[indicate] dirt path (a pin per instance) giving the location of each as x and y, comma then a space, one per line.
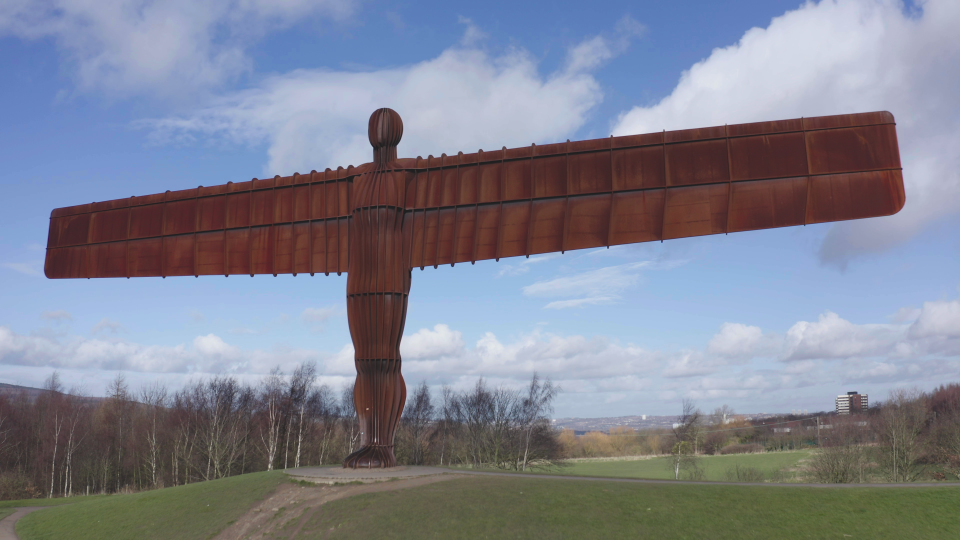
8, 524
284, 513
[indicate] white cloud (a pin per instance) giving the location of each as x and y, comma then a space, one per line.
462, 100
426, 343
743, 342
833, 337
833, 57
207, 354
159, 47
937, 319
690, 364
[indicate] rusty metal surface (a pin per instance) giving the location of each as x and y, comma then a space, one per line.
281, 225
657, 186
379, 220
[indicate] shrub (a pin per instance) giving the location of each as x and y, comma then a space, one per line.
15, 486
744, 474
741, 449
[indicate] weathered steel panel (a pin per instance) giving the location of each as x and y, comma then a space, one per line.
589, 221
700, 162
768, 156
765, 204
695, 211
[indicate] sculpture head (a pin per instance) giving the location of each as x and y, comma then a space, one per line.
385, 128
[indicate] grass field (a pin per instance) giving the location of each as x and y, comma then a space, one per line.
47, 502
521, 506
195, 511
715, 467
4, 512
529, 507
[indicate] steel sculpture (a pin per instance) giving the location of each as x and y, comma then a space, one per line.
379, 220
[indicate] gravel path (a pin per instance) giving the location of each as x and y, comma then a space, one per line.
8, 523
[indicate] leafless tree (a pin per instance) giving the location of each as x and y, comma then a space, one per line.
685, 432
325, 412
535, 405
417, 415
843, 453
899, 427
154, 397
271, 402
304, 376
447, 416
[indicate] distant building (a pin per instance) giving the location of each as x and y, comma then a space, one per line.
852, 402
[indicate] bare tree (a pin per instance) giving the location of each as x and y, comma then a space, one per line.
119, 398
447, 416
348, 417
304, 376
535, 405
685, 432
899, 426
271, 401
417, 415
325, 412
154, 398
842, 454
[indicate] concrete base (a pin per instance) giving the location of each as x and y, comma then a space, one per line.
339, 475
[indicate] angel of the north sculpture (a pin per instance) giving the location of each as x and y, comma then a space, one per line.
380, 220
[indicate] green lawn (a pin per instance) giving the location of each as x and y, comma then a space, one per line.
4, 512
196, 511
529, 507
48, 502
715, 467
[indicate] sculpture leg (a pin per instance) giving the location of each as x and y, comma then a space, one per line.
377, 289
378, 395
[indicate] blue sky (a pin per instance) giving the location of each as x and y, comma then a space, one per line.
107, 100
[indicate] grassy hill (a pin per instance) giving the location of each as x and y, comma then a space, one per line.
517, 507
195, 511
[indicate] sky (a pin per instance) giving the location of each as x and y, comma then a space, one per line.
104, 100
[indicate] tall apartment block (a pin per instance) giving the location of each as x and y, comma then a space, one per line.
852, 402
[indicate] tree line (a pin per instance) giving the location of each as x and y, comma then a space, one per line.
910, 436
60, 443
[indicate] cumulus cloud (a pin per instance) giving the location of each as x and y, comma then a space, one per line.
207, 354
159, 47
740, 362
736, 340
833, 57
833, 337
462, 100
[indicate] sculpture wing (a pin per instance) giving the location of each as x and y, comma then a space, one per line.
658, 186
281, 225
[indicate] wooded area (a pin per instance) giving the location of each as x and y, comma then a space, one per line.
57, 443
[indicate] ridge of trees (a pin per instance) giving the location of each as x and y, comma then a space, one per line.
59, 443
